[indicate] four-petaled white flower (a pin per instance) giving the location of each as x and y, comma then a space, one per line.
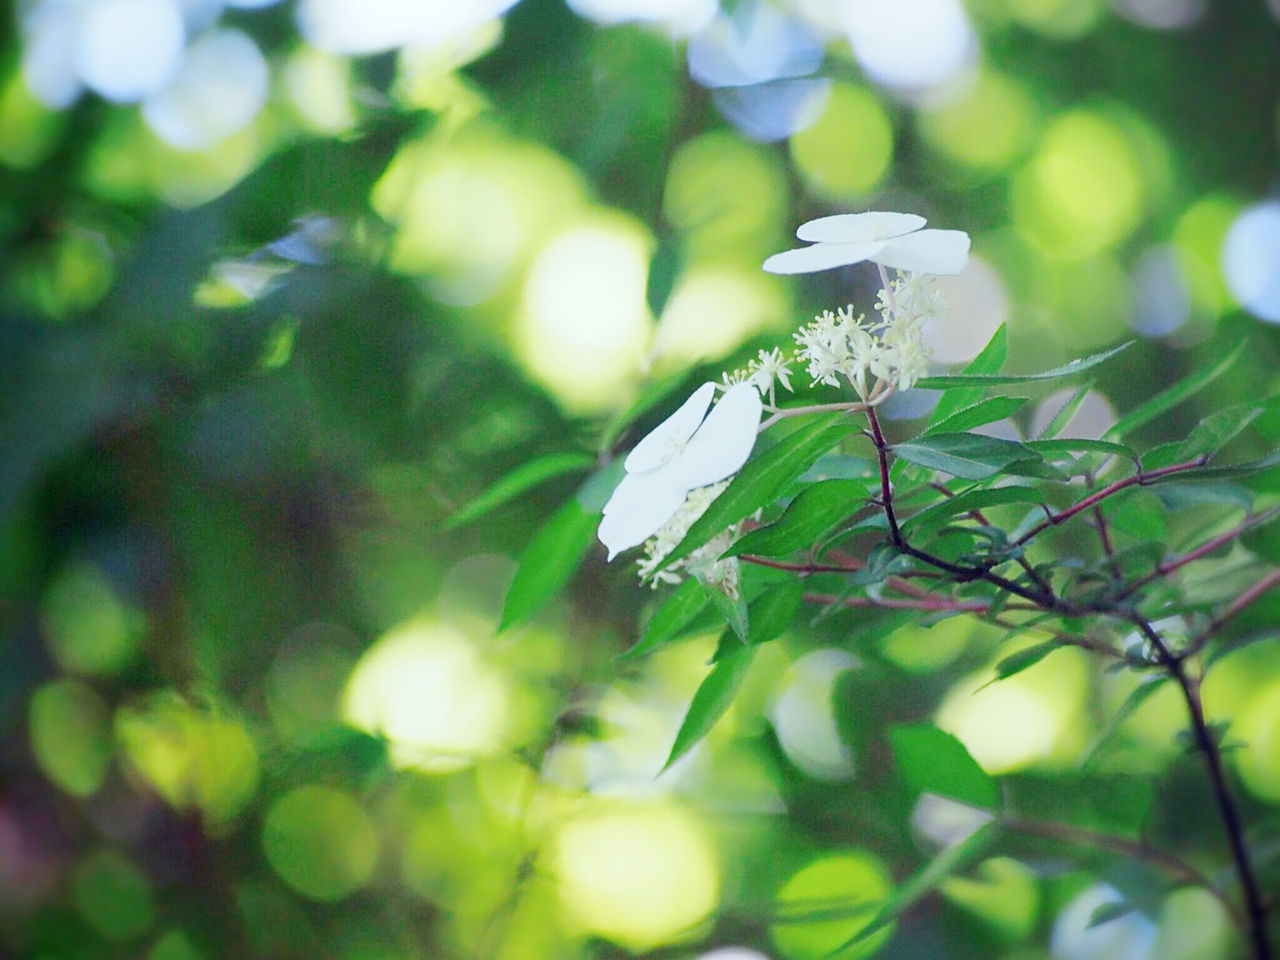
682, 453
893, 240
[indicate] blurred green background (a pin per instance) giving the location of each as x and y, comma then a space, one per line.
284, 284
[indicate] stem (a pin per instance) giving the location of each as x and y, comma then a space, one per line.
1204, 549
1255, 908
1178, 868
912, 603
1141, 478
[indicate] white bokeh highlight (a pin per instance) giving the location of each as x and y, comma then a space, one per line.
221, 86
1251, 260
126, 50
911, 45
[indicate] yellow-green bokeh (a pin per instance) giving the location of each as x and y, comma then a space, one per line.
826, 903
193, 756
1003, 892
988, 128
640, 875
320, 842
1084, 189
427, 688
845, 154
88, 627
1198, 237
70, 726
28, 129
727, 198
1033, 718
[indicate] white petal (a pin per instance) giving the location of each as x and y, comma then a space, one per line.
666, 439
941, 252
724, 441
859, 227
822, 256
639, 507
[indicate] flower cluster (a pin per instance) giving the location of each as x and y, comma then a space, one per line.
704, 563
675, 473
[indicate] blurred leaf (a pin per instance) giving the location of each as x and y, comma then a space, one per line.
970, 456
1065, 413
1017, 662
1181, 494
933, 761
1214, 432
763, 479
713, 697
818, 508
976, 414
1075, 445
549, 561
948, 861
989, 361
963, 503
996, 380
1169, 398
516, 482
1136, 698
684, 603
598, 488
1107, 912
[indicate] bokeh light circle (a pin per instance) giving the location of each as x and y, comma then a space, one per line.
910, 44
221, 86
638, 875
320, 842
852, 885
127, 50
1128, 937
846, 153
1251, 260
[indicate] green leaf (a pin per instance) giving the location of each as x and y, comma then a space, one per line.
976, 414
1137, 697
712, 699
1170, 397
684, 603
598, 488
1078, 445
948, 861
997, 380
762, 480
970, 456
550, 559
818, 508
1181, 494
933, 761
734, 612
516, 482
990, 360
772, 612
1216, 430
1027, 657
1065, 413
969, 500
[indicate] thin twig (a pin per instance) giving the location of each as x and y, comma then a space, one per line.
1206, 548
1141, 478
1196, 643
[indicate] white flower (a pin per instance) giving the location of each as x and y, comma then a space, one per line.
889, 239
683, 452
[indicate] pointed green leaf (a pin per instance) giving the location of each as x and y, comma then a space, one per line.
970, 456
996, 380
713, 697
763, 479
734, 612
976, 414
1137, 697
989, 361
1216, 430
684, 603
1080, 445
550, 559
516, 482
1170, 397
772, 611
1065, 412
818, 508
933, 761
1027, 657
969, 500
